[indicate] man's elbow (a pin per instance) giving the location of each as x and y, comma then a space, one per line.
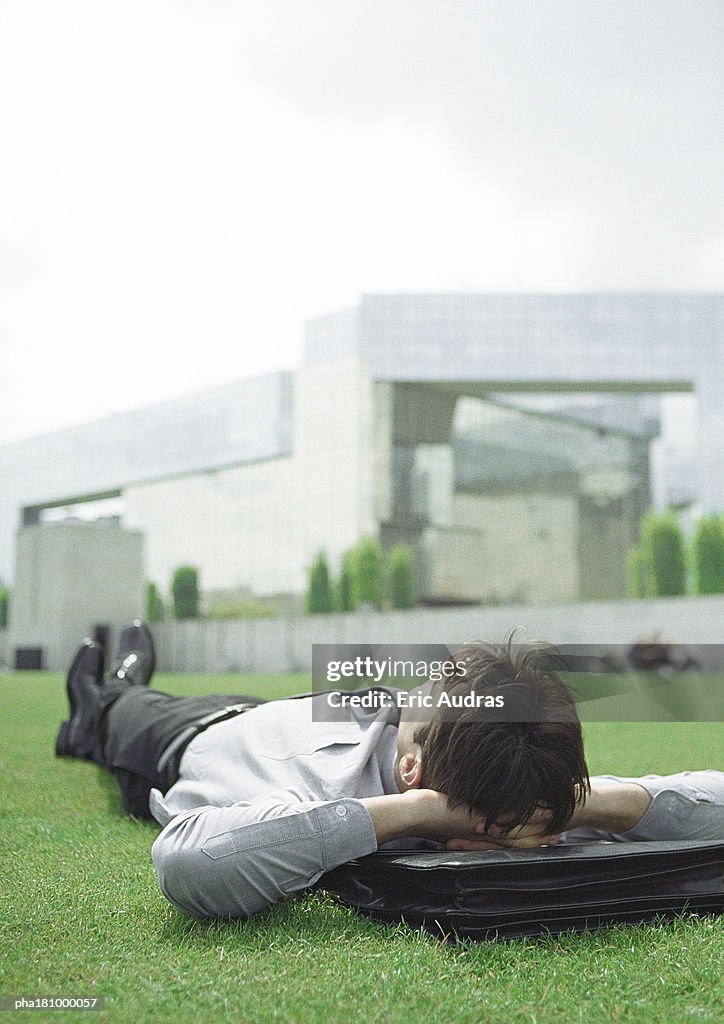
180, 873
207, 868
191, 880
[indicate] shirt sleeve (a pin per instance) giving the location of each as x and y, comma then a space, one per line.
234, 861
687, 805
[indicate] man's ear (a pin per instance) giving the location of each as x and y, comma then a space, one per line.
410, 767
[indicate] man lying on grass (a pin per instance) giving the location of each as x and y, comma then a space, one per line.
259, 799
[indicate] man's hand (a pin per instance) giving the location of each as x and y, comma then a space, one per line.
534, 833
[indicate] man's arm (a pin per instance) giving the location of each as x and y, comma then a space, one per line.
686, 805
423, 814
610, 807
234, 861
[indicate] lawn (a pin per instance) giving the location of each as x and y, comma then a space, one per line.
82, 914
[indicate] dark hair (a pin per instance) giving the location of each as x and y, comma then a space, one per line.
507, 769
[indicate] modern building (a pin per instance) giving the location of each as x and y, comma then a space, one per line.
507, 438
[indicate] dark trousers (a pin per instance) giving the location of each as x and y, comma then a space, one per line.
137, 725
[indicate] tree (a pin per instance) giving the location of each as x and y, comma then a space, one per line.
319, 591
368, 565
4, 606
402, 577
185, 592
154, 603
346, 585
664, 547
709, 555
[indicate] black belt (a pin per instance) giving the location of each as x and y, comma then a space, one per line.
170, 759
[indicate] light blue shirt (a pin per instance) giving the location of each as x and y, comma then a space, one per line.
267, 802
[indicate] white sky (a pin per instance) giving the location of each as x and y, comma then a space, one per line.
182, 184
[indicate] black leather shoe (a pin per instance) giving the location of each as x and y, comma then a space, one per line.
78, 736
136, 657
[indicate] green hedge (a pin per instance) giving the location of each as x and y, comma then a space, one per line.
368, 562
402, 577
154, 603
346, 590
663, 544
185, 592
319, 591
708, 555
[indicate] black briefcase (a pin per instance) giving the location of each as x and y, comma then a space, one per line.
508, 894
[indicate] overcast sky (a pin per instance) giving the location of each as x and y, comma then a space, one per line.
182, 184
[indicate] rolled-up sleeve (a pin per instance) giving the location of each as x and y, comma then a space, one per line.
687, 805
234, 861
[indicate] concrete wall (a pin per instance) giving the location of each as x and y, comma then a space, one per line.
283, 645
69, 579
234, 524
506, 548
333, 441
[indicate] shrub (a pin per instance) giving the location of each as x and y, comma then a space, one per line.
639, 572
402, 577
368, 572
664, 547
154, 603
346, 584
185, 592
709, 555
319, 591
4, 606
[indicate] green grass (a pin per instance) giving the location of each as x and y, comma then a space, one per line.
81, 913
